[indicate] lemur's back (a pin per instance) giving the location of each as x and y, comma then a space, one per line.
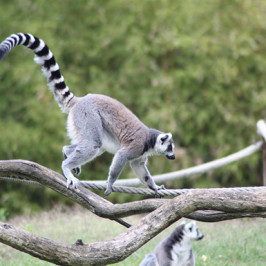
114, 116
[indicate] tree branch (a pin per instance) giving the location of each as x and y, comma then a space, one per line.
95, 203
204, 205
218, 216
126, 243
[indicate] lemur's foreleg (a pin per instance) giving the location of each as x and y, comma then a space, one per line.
140, 169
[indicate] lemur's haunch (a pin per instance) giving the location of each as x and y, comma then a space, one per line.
97, 123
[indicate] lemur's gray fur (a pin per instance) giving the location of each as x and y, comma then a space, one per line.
176, 249
97, 123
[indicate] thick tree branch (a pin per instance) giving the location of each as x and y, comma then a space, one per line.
122, 246
95, 203
55, 181
82, 196
205, 205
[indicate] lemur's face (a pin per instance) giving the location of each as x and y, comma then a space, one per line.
191, 230
165, 145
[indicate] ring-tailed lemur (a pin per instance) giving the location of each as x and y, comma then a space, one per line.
176, 249
97, 123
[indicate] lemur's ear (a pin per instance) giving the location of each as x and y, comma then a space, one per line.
190, 225
169, 135
183, 223
163, 138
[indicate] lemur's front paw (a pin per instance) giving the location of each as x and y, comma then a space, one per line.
108, 191
161, 187
73, 181
157, 188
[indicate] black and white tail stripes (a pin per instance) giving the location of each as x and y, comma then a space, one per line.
45, 58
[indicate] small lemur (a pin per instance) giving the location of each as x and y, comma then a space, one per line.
97, 123
176, 249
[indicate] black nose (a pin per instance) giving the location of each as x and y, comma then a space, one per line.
200, 237
171, 157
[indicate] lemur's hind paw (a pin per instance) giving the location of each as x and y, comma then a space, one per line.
77, 170
73, 181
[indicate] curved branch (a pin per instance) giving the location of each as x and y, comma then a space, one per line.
126, 243
92, 201
81, 195
194, 204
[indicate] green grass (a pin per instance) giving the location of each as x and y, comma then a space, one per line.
238, 242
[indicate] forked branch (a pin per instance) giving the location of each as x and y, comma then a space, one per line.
203, 204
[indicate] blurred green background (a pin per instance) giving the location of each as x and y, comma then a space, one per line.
195, 68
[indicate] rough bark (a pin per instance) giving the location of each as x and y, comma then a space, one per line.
91, 201
205, 205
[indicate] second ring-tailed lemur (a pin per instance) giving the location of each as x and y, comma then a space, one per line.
97, 123
175, 249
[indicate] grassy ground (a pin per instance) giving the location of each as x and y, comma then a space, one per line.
238, 242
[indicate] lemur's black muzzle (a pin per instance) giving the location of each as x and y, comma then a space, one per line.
200, 237
170, 157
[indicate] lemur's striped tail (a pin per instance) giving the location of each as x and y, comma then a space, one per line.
45, 58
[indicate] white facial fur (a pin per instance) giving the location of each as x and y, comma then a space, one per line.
164, 145
192, 232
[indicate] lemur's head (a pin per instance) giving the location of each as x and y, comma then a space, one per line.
192, 232
165, 145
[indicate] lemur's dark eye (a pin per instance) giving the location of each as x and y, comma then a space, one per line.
190, 229
169, 148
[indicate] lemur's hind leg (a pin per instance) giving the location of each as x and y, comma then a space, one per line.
82, 154
67, 150
140, 169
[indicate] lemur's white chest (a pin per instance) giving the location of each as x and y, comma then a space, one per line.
180, 254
